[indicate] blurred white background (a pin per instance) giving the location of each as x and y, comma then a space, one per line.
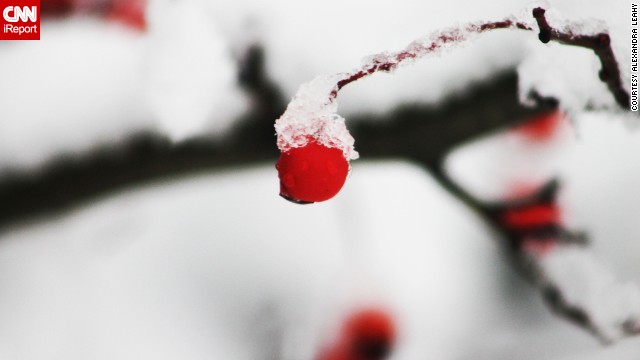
217, 266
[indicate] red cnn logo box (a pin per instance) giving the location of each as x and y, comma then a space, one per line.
19, 19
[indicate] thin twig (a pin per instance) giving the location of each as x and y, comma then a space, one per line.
421, 48
600, 44
531, 268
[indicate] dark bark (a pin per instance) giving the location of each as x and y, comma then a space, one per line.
419, 133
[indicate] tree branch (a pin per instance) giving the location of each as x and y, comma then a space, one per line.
420, 133
601, 46
526, 248
599, 43
424, 134
423, 47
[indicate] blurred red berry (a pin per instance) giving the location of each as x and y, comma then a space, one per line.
130, 13
371, 334
366, 335
311, 173
531, 216
54, 8
533, 222
542, 127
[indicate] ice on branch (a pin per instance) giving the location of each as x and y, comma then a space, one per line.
312, 114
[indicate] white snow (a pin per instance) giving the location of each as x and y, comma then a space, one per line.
570, 73
191, 83
588, 284
175, 268
312, 115
95, 83
88, 83
77, 87
493, 166
218, 266
304, 40
597, 196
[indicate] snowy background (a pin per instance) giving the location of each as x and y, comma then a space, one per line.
215, 265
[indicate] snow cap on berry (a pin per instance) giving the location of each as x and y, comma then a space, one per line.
312, 115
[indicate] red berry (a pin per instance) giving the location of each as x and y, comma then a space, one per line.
536, 215
311, 173
130, 13
54, 8
366, 335
542, 127
371, 334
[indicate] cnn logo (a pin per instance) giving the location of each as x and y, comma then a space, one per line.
20, 20
16, 13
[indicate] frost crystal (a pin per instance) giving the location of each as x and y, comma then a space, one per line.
312, 115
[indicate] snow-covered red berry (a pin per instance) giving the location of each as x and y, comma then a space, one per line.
311, 173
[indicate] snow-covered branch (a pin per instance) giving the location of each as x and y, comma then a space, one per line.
558, 261
600, 44
313, 111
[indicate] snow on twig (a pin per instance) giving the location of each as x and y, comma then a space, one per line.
600, 43
313, 111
